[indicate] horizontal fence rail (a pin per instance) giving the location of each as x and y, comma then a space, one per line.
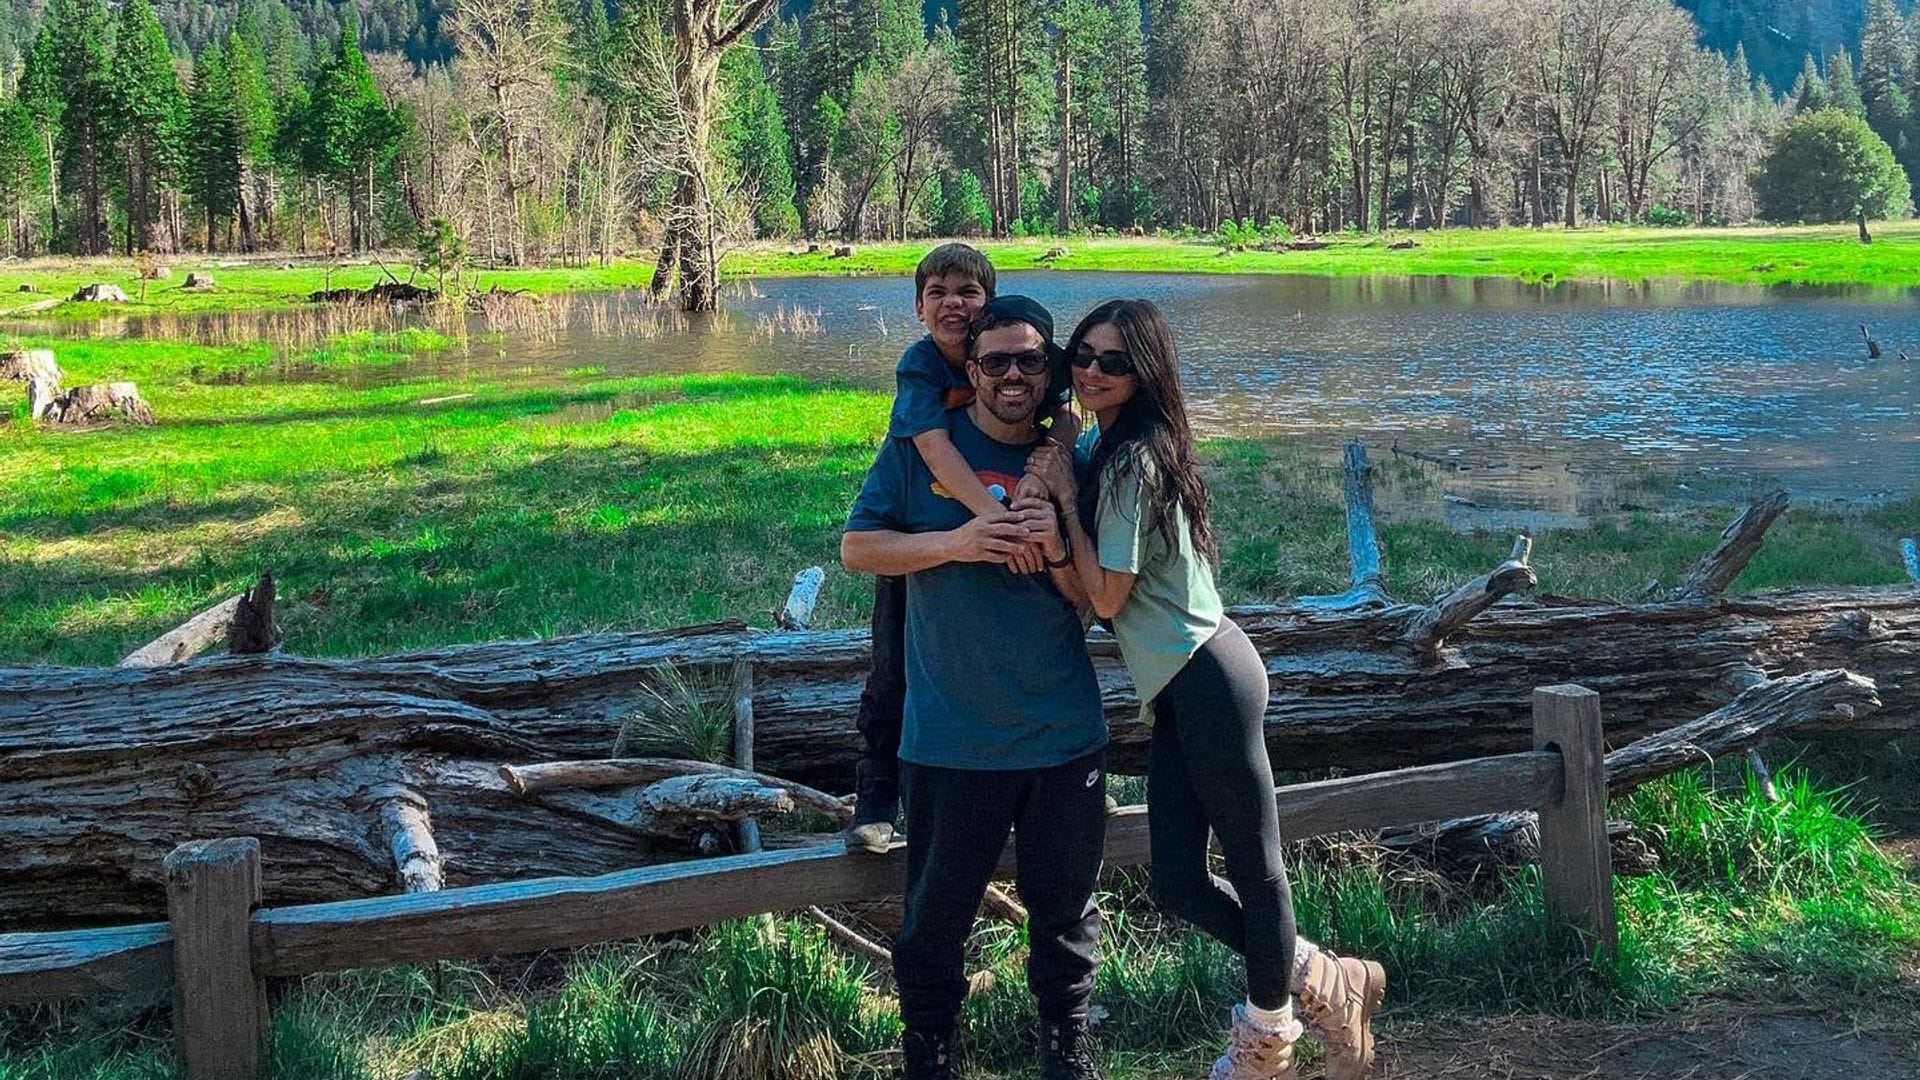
1563, 779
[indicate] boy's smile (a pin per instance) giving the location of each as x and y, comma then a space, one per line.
946, 307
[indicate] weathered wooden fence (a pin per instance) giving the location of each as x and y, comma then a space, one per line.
218, 944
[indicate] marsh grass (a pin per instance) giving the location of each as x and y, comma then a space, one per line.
681, 713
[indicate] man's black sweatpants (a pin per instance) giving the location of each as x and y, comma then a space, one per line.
957, 824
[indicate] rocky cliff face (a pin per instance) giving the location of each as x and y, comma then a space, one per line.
1777, 34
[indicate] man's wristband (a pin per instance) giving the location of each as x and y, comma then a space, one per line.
1063, 563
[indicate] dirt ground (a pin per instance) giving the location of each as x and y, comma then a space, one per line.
1721, 1041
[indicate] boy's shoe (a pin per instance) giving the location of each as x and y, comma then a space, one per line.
1255, 1052
1067, 1051
929, 1054
1338, 997
876, 801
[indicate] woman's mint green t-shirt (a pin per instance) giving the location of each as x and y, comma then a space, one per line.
1174, 607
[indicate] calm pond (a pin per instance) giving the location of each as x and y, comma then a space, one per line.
1545, 399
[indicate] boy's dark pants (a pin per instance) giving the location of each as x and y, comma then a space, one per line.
957, 822
883, 704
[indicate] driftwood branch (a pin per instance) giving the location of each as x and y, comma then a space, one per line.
1367, 585
253, 629
1738, 543
797, 612
407, 831
1910, 555
1432, 627
852, 939
1005, 907
188, 640
687, 805
1466, 845
635, 772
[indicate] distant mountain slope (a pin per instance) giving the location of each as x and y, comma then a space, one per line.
1778, 34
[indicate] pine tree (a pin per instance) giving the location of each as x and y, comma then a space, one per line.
1886, 69
149, 120
214, 178
23, 171
40, 96
755, 136
351, 132
83, 64
1842, 92
255, 132
1809, 91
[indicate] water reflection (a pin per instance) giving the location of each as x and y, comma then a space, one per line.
1542, 396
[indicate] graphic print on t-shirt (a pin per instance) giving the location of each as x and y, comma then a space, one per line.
998, 484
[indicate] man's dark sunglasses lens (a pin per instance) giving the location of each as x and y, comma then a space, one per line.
1029, 363
1113, 363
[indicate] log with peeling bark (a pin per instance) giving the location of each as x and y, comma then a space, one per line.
103, 771
1762, 711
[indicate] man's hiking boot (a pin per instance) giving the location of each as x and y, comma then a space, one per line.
929, 1054
876, 800
1255, 1052
1067, 1051
1337, 997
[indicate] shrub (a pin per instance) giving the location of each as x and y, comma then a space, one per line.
1829, 166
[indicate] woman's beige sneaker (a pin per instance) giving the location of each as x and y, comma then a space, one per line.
1337, 998
1256, 1053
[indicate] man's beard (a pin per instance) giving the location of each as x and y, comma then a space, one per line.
1011, 412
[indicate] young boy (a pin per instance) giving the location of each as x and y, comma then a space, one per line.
950, 286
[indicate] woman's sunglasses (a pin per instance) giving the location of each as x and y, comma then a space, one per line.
1115, 364
994, 365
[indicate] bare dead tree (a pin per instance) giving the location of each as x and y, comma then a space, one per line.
513, 49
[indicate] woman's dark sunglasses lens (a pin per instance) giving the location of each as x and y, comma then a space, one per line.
1115, 364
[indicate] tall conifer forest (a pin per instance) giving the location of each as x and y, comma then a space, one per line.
574, 130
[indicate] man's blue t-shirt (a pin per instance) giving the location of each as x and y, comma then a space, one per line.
997, 669
926, 388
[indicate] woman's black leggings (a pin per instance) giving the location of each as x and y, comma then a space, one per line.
1207, 769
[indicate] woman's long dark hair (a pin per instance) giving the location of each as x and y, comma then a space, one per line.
1151, 426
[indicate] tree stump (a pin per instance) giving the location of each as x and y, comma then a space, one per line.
198, 282
26, 365
101, 293
85, 406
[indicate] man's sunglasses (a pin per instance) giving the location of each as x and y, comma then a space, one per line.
994, 365
1115, 364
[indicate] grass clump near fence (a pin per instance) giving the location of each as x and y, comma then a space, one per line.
1754, 900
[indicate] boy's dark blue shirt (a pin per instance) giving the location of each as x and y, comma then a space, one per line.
926, 388
997, 669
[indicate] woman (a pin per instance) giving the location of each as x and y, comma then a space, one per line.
1143, 544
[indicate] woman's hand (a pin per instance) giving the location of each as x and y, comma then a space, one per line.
1053, 465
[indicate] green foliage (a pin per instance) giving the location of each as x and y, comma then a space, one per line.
755, 137
441, 251
679, 714
214, 177
1810, 93
1663, 216
1842, 93
1829, 166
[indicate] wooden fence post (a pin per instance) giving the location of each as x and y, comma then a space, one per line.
742, 686
220, 1007
1576, 867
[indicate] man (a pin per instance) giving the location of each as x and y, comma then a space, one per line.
1003, 727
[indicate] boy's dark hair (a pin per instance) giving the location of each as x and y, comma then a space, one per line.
954, 258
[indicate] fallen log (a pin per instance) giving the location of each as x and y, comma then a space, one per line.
103, 771
1465, 847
